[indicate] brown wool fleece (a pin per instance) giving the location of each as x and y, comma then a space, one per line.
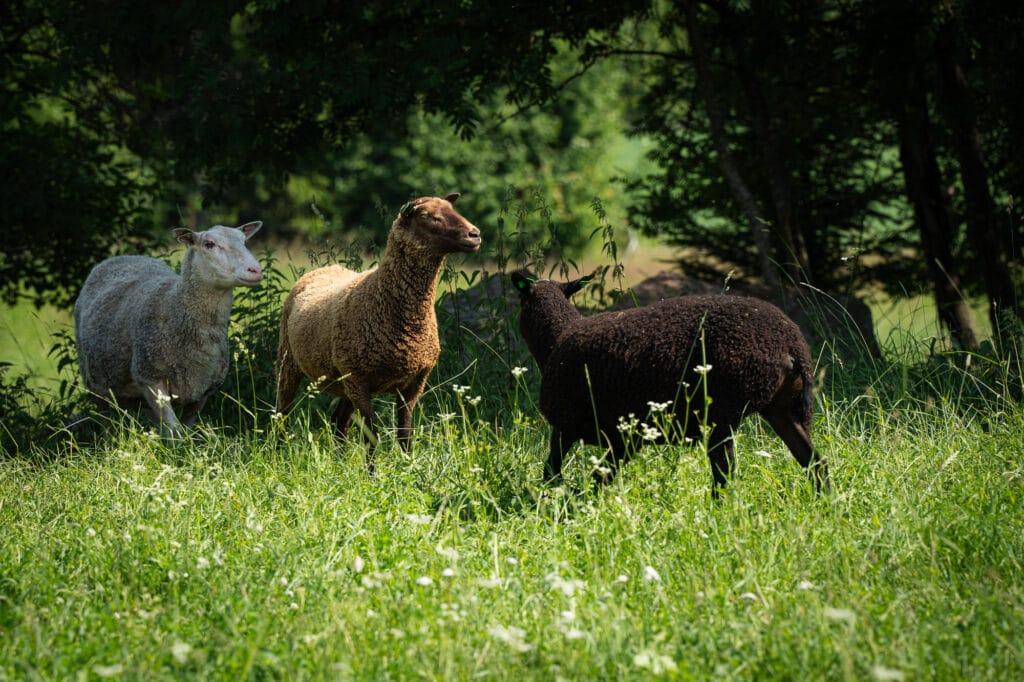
373, 332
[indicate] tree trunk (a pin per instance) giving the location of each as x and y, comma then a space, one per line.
797, 263
991, 246
726, 163
932, 215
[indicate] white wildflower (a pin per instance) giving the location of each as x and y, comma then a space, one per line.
651, 575
164, 399
358, 564
622, 579
573, 633
420, 519
702, 369
806, 585
839, 614
880, 672
252, 523
108, 670
598, 465
628, 424
448, 572
658, 664
649, 432
518, 371
449, 553
459, 390
566, 587
511, 635
475, 400
202, 563
181, 651
425, 581
658, 407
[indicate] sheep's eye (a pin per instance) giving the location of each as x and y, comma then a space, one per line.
209, 244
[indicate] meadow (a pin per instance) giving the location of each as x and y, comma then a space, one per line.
260, 549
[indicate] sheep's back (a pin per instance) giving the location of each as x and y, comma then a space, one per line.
618, 361
116, 296
320, 310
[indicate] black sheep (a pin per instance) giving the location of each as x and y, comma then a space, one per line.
598, 370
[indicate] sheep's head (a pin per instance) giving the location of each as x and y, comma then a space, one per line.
434, 223
546, 310
531, 289
219, 256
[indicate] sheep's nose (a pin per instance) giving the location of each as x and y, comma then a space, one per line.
256, 271
474, 234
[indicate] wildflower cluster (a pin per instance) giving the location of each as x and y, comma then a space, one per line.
460, 391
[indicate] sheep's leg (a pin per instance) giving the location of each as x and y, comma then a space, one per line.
158, 398
404, 404
189, 413
342, 417
288, 377
722, 458
360, 400
553, 467
796, 436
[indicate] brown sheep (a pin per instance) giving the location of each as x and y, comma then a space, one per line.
359, 334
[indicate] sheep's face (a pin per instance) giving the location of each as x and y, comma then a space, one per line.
219, 255
433, 222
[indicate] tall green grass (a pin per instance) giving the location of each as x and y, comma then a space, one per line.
242, 556
261, 549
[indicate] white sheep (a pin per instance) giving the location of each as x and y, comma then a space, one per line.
146, 334
363, 333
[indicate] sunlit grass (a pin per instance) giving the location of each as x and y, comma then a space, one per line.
230, 557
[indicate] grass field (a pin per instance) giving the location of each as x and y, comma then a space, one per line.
268, 553
235, 558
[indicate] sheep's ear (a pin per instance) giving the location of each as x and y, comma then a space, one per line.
185, 235
451, 198
522, 283
249, 229
570, 288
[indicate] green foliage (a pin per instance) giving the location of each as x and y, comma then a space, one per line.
107, 131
